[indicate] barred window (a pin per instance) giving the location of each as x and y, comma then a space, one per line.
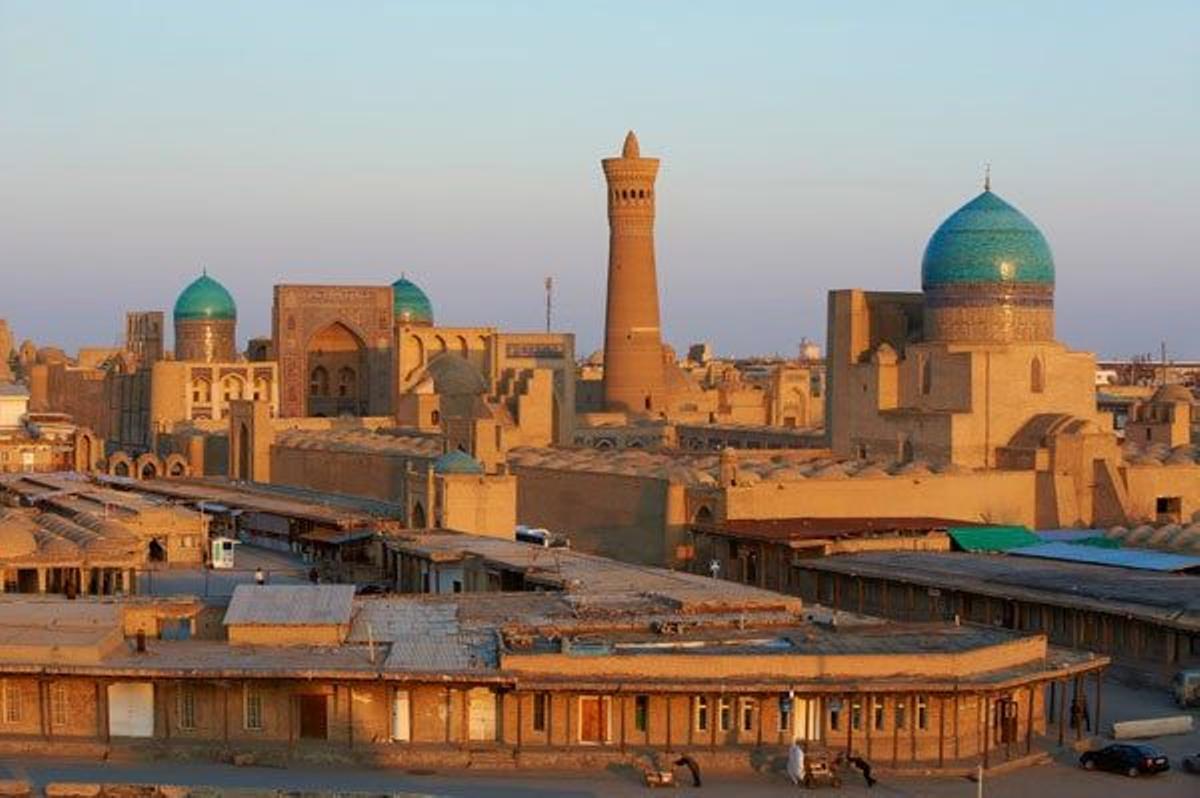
186, 707
10, 697
641, 712
539, 712
252, 708
701, 712
58, 704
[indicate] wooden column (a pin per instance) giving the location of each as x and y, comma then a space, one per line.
101, 712
1029, 720
957, 735
549, 718
350, 716
520, 701
914, 715
449, 714
43, 717
713, 713
941, 731
166, 705
1062, 712
1077, 691
762, 703
291, 720
849, 726
1099, 678
896, 732
570, 701
668, 720
225, 712
465, 732
987, 730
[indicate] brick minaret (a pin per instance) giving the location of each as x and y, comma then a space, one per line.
633, 349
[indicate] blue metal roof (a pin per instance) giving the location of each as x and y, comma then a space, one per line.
1140, 559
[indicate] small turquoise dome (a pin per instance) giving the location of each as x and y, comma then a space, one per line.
410, 304
205, 299
456, 462
987, 241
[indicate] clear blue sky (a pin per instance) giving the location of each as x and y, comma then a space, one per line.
805, 146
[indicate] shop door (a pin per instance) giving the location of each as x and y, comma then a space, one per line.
593, 719
313, 717
131, 709
482, 714
400, 728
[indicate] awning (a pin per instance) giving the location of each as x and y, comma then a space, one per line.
991, 538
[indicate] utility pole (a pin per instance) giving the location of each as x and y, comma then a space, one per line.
549, 298
1162, 346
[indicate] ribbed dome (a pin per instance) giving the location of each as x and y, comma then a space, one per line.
987, 241
205, 299
456, 462
410, 304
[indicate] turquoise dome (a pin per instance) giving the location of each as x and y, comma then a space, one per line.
987, 241
456, 462
410, 304
205, 299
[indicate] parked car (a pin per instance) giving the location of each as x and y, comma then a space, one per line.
1192, 763
1132, 759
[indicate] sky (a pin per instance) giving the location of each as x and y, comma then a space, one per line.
805, 146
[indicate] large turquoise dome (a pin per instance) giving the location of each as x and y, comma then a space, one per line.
410, 304
205, 299
456, 462
987, 241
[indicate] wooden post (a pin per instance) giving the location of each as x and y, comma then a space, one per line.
465, 731
1062, 712
43, 718
166, 705
549, 718
849, 726
225, 712
570, 701
1077, 691
449, 714
520, 701
913, 716
1099, 678
762, 703
291, 721
668, 720
957, 735
1029, 720
102, 710
350, 716
987, 729
713, 715
941, 731
896, 731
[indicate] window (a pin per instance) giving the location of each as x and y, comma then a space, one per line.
856, 715
1037, 376
10, 698
749, 710
877, 714
922, 712
725, 714
785, 712
926, 376
901, 714
700, 710
539, 712
835, 714
641, 712
185, 706
58, 704
252, 707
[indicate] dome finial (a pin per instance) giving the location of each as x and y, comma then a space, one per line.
631, 149
203, 271
987, 176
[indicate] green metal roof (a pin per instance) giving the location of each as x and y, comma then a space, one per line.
992, 538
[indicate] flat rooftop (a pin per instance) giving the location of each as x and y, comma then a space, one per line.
591, 576
1163, 598
783, 530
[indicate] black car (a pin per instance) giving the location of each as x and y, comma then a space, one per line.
1128, 758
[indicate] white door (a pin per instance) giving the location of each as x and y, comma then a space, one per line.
400, 730
482, 704
131, 709
806, 718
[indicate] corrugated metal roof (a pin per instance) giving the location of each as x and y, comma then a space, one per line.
992, 538
1140, 559
290, 605
1078, 537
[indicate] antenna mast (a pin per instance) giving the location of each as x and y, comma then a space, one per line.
549, 300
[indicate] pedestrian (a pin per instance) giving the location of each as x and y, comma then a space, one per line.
864, 766
795, 764
692, 765
314, 575
260, 578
